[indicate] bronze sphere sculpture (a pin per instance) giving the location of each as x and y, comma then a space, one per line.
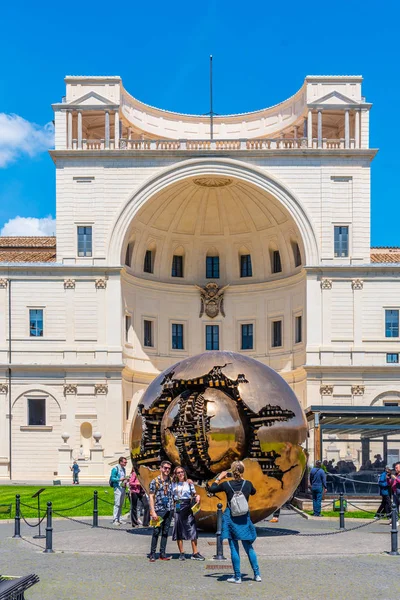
211, 409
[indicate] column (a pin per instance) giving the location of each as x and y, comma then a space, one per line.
347, 129
365, 450
320, 129
295, 132
309, 129
69, 128
357, 115
79, 130
107, 130
116, 129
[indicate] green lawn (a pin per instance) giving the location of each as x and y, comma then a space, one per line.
357, 514
61, 496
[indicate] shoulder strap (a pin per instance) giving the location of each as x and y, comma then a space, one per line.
244, 481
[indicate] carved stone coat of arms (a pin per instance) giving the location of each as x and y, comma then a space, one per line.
212, 300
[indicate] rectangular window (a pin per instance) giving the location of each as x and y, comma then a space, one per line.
128, 256
84, 241
212, 267
392, 357
246, 269
36, 411
276, 262
177, 266
177, 336
391, 323
298, 329
212, 337
276, 334
148, 262
297, 255
341, 241
247, 336
128, 325
36, 322
148, 334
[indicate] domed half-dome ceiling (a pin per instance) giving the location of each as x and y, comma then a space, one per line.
212, 205
212, 215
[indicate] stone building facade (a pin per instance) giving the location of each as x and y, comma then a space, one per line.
274, 210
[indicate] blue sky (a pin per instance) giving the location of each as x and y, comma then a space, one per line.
262, 52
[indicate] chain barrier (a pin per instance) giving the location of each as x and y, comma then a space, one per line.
106, 501
28, 506
74, 507
29, 524
362, 509
84, 522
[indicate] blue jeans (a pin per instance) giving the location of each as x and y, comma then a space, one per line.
235, 556
317, 500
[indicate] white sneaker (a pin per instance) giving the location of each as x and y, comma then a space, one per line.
234, 580
257, 578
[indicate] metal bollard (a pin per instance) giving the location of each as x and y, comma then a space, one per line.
394, 532
17, 520
220, 547
49, 529
95, 510
341, 512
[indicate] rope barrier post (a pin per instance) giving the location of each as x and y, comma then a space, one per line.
95, 509
341, 513
49, 529
394, 532
17, 520
220, 548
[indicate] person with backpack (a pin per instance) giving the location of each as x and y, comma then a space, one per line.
236, 522
318, 487
385, 492
118, 480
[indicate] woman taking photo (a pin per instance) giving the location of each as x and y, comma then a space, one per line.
236, 528
184, 524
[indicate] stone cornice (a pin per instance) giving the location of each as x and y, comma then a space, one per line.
86, 271
190, 288
391, 371
351, 270
70, 368
83, 107
363, 153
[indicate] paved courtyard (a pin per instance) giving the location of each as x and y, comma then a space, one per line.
107, 563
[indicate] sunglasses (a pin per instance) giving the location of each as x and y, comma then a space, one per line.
180, 473
166, 467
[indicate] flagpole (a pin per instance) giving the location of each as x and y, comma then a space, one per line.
211, 102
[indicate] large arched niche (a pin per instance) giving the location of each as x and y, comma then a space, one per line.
212, 167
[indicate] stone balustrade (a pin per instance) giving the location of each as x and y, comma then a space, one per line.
300, 143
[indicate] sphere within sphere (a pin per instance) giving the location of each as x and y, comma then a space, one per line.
211, 409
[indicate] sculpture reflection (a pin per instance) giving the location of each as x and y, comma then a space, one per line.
212, 409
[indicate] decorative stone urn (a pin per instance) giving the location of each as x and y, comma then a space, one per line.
97, 437
65, 436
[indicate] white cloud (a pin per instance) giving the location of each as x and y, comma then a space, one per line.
29, 226
18, 136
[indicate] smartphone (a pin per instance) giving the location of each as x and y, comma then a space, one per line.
229, 474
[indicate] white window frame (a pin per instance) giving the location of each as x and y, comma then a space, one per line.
28, 333
271, 319
239, 334
298, 313
84, 224
128, 336
385, 308
347, 224
219, 323
153, 348
185, 324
